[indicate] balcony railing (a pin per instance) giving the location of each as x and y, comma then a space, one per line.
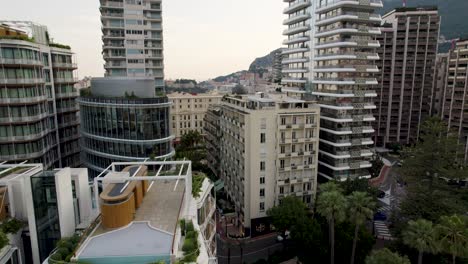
20, 61
21, 80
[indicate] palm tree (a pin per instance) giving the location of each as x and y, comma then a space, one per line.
420, 235
385, 256
329, 187
332, 205
452, 235
360, 208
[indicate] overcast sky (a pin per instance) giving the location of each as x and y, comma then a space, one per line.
203, 38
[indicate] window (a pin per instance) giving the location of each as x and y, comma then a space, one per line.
294, 120
294, 135
281, 190
262, 206
283, 121
283, 149
262, 137
262, 165
282, 164
293, 148
262, 192
262, 180
292, 188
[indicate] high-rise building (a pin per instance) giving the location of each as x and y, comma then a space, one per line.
38, 111
52, 204
269, 150
133, 39
330, 55
132, 127
441, 65
406, 83
189, 110
212, 135
455, 97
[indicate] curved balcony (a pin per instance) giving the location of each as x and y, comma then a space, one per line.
293, 80
346, 81
64, 65
347, 43
348, 154
349, 30
349, 16
68, 109
22, 101
30, 137
298, 5
296, 19
21, 80
67, 95
295, 40
347, 55
349, 130
347, 118
295, 70
347, 106
348, 142
294, 50
295, 60
330, 5
65, 80
346, 93
344, 166
295, 30
23, 119
23, 62
347, 68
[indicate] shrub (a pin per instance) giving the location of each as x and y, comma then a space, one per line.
189, 227
182, 225
65, 243
189, 245
63, 252
191, 234
12, 226
56, 256
3, 240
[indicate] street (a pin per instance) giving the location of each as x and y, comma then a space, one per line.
254, 250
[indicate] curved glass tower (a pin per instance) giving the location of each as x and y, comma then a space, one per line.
130, 128
330, 55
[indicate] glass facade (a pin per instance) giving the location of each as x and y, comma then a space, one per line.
46, 212
38, 109
116, 129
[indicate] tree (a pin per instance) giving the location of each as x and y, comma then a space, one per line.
239, 89
288, 213
360, 208
330, 187
385, 256
331, 205
420, 235
452, 234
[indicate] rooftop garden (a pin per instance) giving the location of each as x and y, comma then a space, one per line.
60, 46
190, 247
197, 183
25, 38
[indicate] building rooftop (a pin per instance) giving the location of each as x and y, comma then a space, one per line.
194, 95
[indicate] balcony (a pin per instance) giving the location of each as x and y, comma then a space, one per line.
113, 36
333, 4
348, 30
21, 80
296, 18
111, 4
295, 60
295, 30
23, 119
65, 80
112, 15
298, 5
25, 62
347, 55
115, 65
353, 16
64, 65
30, 137
27, 100
295, 70
295, 50
347, 68
67, 95
348, 130
346, 81
348, 43
68, 109
295, 40
293, 80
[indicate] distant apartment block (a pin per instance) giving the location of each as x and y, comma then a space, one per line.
269, 150
123, 120
212, 135
38, 111
133, 39
455, 111
52, 204
406, 89
331, 55
440, 78
189, 110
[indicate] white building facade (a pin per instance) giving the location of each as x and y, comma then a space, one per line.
133, 39
330, 54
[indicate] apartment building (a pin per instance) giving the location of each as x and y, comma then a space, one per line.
53, 204
140, 208
134, 127
331, 55
455, 96
133, 39
269, 150
212, 135
407, 86
441, 65
189, 110
38, 112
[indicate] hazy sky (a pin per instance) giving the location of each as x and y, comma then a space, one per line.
203, 38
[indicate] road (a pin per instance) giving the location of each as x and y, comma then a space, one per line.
253, 250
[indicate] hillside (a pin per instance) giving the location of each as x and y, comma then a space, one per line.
263, 62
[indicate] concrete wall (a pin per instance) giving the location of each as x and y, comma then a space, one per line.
117, 86
83, 193
66, 210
